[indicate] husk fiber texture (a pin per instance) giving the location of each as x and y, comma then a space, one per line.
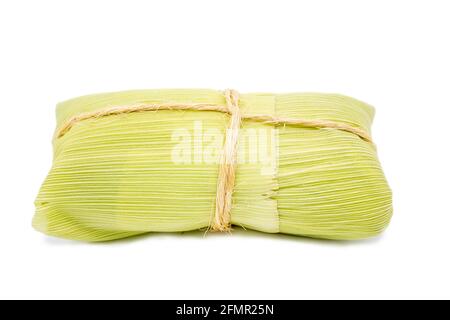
115, 176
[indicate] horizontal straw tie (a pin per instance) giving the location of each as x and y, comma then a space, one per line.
264, 118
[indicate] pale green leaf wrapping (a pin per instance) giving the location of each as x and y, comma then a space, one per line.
114, 177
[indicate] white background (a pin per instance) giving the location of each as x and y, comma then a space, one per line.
394, 55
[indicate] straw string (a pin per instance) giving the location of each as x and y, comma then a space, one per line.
227, 169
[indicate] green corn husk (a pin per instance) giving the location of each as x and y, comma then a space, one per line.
115, 176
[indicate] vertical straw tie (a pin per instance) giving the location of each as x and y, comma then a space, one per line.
227, 166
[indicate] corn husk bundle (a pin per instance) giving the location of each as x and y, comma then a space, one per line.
118, 173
